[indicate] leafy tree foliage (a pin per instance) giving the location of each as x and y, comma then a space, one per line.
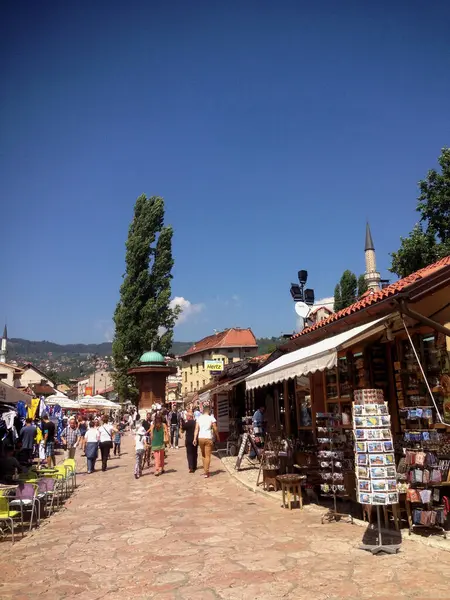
362, 286
143, 316
345, 291
430, 239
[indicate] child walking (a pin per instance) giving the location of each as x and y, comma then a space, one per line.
117, 439
141, 445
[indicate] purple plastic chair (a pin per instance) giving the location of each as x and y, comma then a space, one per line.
25, 497
47, 491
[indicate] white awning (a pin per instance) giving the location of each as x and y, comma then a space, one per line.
317, 357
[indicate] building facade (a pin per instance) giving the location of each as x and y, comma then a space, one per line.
99, 382
223, 348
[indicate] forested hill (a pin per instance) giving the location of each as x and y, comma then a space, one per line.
18, 347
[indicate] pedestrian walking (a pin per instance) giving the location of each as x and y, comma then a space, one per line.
204, 429
26, 436
141, 447
160, 437
49, 432
188, 427
173, 420
106, 440
118, 439
92, 440
70, 437
82, 426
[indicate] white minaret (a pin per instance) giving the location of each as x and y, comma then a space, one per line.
3, 346
371, 275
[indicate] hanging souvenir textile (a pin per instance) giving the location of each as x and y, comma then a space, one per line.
21, 409
33, 408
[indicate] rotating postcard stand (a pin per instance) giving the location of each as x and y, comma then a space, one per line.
331, 462
376, 475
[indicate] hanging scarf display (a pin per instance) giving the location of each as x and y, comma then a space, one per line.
59, 429
33, 408
42, 407
21, 409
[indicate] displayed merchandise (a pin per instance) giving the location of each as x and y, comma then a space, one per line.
333, 455
425, 472
374, 457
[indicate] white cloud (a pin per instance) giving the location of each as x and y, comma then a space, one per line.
188, 309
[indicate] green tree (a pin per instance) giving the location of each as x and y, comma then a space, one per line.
362, 286
345, 291
144, 318
430, 239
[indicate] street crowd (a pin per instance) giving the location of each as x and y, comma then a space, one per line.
101, 434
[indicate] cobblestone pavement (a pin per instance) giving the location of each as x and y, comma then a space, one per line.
182, 537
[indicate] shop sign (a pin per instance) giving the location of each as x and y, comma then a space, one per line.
88, 391
214, 365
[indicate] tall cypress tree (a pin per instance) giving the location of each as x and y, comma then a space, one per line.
345, 291
143, 317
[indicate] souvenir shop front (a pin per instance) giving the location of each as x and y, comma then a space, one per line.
401, 348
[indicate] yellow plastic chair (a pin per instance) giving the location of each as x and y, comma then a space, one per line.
7, 517
71, 464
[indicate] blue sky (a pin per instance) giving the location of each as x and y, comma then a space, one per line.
272, 130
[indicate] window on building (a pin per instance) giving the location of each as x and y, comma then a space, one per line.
185, 389
185, 376
196, 370
190, 367
203, 383
197, 384
230, 350
192, 385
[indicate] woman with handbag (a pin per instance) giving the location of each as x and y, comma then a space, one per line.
106, 440
92, 438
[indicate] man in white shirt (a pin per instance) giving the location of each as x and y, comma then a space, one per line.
204, 429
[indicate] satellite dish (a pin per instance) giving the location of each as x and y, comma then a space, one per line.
302, 309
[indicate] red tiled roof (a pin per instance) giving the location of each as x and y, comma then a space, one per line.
260, 358
373, 298
230, 338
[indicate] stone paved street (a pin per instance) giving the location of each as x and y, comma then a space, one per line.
182, 537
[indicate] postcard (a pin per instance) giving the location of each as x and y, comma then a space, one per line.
389, 459
392, 498
386, 420
361, 447
379, 498
361, 459
377, 472
375, 447
379, 485
391, 485
388, 446
360, 434
383, 409
373, 421
358, 409
391, 472
365, 498
385, 434
370, 409
360, 421
376, 460
374, 434
364, 485
362, 472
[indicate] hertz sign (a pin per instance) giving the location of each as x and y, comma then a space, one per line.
214, 365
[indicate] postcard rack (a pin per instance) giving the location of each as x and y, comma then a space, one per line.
331, 441
376, 474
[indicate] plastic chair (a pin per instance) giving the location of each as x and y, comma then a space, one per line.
25, 497
7, 516
47, 492
72, 473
